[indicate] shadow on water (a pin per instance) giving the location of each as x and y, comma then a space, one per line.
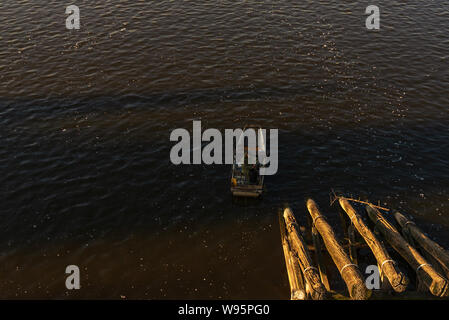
160, 101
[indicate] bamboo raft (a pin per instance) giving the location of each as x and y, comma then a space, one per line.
392, 254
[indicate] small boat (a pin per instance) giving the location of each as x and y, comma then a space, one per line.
246, 180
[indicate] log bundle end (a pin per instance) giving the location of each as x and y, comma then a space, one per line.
429, 260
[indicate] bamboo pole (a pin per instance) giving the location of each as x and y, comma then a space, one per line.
348, 271
433, 248
396, 278
435, 283
310, 272
297, 291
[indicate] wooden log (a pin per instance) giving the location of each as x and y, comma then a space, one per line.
348, 271
435, 263
385, 284
396, 278
357, 245
433, 248
420, 285
310, 272
352, 248
297, 290
320, 259
434, 282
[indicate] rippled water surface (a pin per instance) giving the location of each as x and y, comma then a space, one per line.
85, 119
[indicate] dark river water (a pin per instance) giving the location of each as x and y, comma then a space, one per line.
86, 116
